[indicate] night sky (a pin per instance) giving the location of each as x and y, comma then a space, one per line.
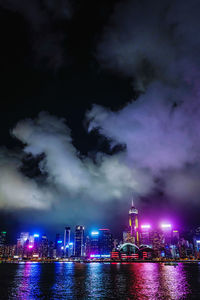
99, 105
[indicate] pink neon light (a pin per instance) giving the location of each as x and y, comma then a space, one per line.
166, 225
30, 246
146, 226
104, 229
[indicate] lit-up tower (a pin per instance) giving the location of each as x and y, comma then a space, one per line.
133, 224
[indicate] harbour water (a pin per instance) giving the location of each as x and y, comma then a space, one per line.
99, 281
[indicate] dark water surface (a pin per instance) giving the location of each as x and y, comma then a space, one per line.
99, 281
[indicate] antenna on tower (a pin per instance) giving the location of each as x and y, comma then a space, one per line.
132, 202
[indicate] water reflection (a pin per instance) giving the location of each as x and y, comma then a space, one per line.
26, 281
99, 281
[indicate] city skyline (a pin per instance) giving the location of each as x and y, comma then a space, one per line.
92, 114
137, 241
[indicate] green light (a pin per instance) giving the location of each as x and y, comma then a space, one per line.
4, 232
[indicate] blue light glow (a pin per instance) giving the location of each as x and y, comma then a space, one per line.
59, 242
94, 232
36, 235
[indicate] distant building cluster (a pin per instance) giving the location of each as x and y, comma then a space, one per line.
139, 241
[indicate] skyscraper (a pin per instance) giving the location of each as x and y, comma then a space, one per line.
67, 241
105, 241
145, 235
79, 241
100, 243
3, 238
133, 224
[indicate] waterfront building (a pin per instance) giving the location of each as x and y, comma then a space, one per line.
43, 246
94, 243
67, 242
145, 235
167, 233
157, 242
24, 237
105, 241
59, 247
101, 243
79, 241
3, 238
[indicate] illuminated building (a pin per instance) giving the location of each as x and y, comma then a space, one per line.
133, 224
24, 237
36, 243
196, 242
105, 241
79, 241
3, 238
128, 251
157, 242
167, 233
94, 243
145, 234
51, 250
67, 242
101, 243
43, 247
59, 246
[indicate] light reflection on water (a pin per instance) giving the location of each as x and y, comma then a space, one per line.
99, 281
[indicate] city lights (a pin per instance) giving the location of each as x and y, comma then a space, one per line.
94, 232
59, 242
147, 226
166, 225
36, 235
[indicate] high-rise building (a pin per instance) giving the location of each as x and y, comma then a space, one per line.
43, 247
24, 237
105, 241
167, 233
67, 242
93, 243
59, 246
145, 235
3, 238
133, 224
79, 241
100, 243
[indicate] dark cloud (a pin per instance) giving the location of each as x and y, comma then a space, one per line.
156, 43
46, 22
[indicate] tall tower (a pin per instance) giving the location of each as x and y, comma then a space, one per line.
133, 223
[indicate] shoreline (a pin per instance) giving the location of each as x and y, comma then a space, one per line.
169, 262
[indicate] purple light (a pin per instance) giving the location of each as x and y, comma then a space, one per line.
166, 225
147, 226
